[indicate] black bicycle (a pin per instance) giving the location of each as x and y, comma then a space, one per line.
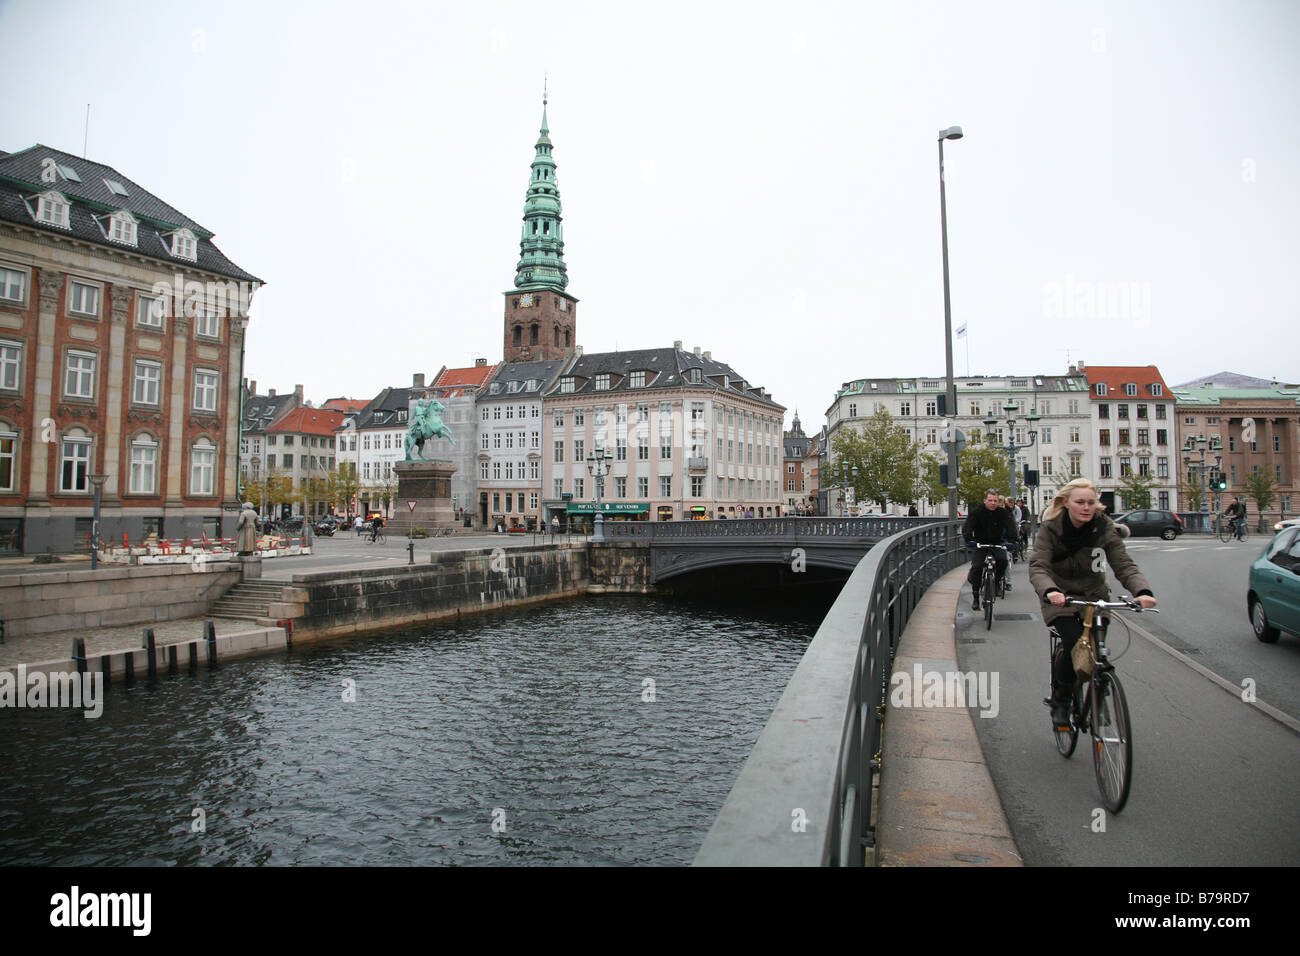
1098, 706
990, 585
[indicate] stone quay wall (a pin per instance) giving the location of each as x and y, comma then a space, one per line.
46, 601
621, 567
451, 584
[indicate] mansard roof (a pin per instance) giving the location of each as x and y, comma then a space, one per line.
665, 368
40, 169
512, 379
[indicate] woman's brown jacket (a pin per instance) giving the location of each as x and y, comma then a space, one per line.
1073, 572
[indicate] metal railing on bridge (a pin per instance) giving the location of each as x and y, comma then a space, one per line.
874, 526
803, 797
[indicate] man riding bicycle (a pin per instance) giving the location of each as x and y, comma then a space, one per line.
1074, 544
987, 524
1236, 515
375, 524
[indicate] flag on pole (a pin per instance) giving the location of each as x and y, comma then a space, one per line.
961, 331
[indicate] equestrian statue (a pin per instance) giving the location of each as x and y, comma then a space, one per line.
426, 423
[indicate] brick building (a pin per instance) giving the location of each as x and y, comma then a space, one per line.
121, 343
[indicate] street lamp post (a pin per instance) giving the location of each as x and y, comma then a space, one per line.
98, 482
1010, 447
952, 132
1198, 444
598, 467
844, 490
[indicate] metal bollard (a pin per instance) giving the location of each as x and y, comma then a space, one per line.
194, 656
210, 627
410, 551
79, 653
128, 667
171, 659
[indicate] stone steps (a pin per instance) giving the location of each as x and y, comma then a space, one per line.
246, 601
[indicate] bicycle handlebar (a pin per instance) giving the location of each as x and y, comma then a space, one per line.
1125, 603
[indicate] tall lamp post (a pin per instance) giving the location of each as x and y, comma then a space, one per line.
849, 479
598, 467
952, 132
1011, 448
1198, 444
98, 482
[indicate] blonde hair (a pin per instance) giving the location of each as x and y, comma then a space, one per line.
1063, 496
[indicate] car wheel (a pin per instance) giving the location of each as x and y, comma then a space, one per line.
1169, 534
1259, 621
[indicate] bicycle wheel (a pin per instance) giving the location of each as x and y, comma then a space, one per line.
1067, 739
1225, 531
381, 538
988, 601
1112, 741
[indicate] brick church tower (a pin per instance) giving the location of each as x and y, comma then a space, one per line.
540, 317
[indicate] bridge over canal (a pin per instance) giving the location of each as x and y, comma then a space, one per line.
682, 547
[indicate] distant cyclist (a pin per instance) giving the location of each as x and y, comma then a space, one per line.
1236, 515
987, 524
1072, 540
375, 524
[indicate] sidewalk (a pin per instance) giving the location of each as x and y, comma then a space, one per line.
938, 805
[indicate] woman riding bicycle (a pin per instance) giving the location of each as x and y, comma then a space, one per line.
1072, 539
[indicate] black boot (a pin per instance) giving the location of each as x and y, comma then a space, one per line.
1060, 704
974, 600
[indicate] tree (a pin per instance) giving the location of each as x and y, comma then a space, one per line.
1260, 486
979, 468
885, 457
928, 486
1190, 492
344, 484
1135, 491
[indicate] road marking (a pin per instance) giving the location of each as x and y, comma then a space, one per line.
1234, 689
1172, 550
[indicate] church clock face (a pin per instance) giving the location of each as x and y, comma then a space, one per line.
526, 301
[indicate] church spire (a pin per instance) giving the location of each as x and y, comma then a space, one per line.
541, 246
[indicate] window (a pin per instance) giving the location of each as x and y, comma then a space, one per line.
83, 299
697, 411
8, 460
144, 466
1142, 411
1144, 436
149, 311
1099, 389
642, 448
1103, 437
1046, 465
1232, 443
1162, 467
602, 382
620, 448
579, 450
288, 463
534, 472
620, 487
567, 384
932, 407
1103, 410
636, 380
1124, 436
1157, 388
1144, 466
1045, 407
79, 382
1130, 389
579, 418
1122, 413
643, 487
1162, 436
11, 364
975, 408
75, 464
53, 209
145, 387
1045, 434
559, 450
579, 487
207, 322
13, 285
1075, 464
665, 447
1161, 413
1125, 466
205, 391
122, 228
183, 245
665, 486
697, 486
1074, 406
905, 408
1104, 468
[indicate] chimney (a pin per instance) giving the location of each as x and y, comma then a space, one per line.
479, 363
270, 393
677, 344
297, 393
708, 355
1073, 370
697, 350
417, 380
577, 351
252, 387
1080, 365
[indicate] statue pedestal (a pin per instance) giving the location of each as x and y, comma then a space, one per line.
428, 484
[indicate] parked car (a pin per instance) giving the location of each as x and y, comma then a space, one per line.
1286, 523
1146, 523
1273, 587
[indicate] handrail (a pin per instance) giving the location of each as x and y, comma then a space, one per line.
873, 526
803, 797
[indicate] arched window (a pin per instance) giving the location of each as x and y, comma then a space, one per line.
74, 461
532, 334
203, 467
519, 336
144, 465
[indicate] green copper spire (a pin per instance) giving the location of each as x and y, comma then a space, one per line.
541, 247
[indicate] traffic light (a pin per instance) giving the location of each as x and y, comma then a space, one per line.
1222, 483
943, 406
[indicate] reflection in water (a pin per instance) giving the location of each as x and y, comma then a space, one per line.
600, 731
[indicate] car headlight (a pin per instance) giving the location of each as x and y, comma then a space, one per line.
1277, 526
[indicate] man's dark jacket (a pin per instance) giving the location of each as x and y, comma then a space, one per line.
989, 527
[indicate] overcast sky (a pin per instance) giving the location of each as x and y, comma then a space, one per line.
759, 179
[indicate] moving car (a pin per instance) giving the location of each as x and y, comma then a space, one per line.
1273, 588
1145, 523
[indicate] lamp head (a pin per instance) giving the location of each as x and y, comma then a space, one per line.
952, 132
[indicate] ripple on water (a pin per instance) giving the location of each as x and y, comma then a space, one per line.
537, 721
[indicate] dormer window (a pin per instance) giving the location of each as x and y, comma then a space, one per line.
121, 228
602, 382
1131, 388
1099, 388
567, 384
1157, 389
694, 375
636, 380
494, 388
401, 415
52, 209
183, 245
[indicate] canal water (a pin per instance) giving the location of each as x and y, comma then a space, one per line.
602, 731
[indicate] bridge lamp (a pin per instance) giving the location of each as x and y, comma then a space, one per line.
598, 467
